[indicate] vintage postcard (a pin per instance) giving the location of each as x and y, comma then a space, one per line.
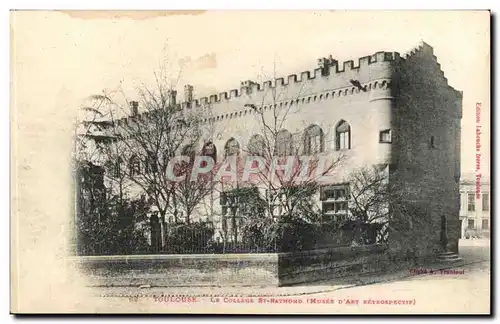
250, 162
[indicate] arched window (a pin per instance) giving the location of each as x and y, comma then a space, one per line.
113, 167
209, 149
342, 136
134, 166
284, 143
151, 165
256, 145
313, 140
232, 147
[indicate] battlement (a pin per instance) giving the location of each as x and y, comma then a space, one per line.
328, 71
331, 79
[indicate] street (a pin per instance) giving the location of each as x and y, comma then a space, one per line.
458, 288
466, 290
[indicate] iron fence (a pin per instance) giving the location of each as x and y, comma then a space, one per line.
217, 238
208, 237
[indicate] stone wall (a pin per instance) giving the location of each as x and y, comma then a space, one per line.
426, 141
273, 269
181, 270
326, 264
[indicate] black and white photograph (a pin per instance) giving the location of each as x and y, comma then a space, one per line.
250, 162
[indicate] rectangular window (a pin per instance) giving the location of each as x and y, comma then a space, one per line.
316, 145
341, 207
385, 136
432, 143
471, 202
463, 201
328, 207
277, 201
485, 224
329, 194
486, 201
151, 166
313, 145
342, 141
335, 199
135, 168
470, 224
117, 170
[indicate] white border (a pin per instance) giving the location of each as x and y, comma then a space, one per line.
185, 4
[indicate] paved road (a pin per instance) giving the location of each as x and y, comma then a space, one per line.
464, 288
467, 290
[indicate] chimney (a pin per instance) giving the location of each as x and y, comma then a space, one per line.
173, 95
134, 108
188, 93
325, 63
246, 86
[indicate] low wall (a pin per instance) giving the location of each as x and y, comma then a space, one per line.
260, 269
338, 262
181, 270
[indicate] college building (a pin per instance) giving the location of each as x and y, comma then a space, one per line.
396, 112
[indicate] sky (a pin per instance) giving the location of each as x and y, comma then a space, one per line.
60, 58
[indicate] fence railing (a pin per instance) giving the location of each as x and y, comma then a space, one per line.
210, 237
218, 238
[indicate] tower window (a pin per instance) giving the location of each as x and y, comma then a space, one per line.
432, 142
385, 136
342, 136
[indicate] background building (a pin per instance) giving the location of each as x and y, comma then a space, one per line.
475, 208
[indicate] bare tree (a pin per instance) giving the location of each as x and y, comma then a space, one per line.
383, 203
371, 201
102, 217
143, 153
302, 151
189, 193
289, 193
